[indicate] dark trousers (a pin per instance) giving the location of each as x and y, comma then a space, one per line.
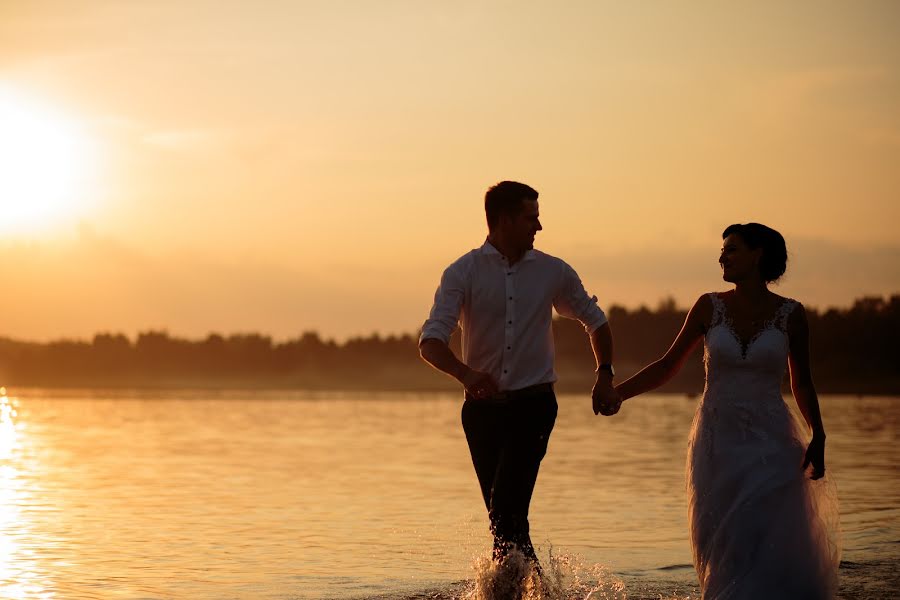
508, 438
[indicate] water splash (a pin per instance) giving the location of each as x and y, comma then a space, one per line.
564, 577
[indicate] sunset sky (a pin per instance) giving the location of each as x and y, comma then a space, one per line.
284, 166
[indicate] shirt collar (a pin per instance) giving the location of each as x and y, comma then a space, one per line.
488, 248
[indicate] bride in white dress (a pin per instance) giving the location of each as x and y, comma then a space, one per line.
763, 517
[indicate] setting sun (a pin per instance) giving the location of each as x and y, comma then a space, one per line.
44, 159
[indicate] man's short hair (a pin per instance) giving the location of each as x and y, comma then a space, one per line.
506, 198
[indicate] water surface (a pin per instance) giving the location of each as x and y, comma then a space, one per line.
328, 495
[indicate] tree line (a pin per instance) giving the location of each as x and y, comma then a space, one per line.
854, 350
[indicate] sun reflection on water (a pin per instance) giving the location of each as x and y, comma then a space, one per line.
20, 573
7, 425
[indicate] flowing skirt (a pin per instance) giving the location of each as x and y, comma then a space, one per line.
759, 526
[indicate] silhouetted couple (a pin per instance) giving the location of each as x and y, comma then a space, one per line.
761, 526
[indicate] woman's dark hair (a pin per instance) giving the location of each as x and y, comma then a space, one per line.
506, 198
773, 263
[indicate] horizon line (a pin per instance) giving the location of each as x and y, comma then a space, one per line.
665, 304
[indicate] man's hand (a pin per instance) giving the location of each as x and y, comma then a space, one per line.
437, 354
478, 384
605, 398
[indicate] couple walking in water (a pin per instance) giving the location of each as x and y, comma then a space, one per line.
762, 519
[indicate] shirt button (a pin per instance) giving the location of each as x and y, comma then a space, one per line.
505, 371
509, 347
509, 273
510, 297
510, 322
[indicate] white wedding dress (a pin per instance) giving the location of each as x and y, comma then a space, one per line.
760, 528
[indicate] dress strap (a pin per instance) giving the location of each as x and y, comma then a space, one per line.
718, 313
784, 312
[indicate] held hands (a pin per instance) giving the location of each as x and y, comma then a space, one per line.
478, 384
815, 455
606, 399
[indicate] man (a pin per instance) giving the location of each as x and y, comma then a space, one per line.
502, 295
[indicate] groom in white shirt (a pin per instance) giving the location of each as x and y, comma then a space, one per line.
502, 295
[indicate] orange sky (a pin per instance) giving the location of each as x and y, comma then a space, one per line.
215, 166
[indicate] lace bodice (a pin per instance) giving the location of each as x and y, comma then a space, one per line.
760, 528
757, 365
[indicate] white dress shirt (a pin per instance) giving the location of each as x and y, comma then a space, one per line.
505, 313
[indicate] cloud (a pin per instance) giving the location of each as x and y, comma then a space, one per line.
161, 136
882, 136
183, 140
95, 283
784, 97
820, 272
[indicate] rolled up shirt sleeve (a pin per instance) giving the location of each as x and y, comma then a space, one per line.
448, 301
573, 302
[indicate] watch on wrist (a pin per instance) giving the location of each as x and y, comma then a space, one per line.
607, 368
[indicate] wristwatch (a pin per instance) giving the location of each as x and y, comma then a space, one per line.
608, 368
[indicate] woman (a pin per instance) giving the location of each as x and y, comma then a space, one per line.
762, 524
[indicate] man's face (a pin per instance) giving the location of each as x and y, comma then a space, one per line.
521, 228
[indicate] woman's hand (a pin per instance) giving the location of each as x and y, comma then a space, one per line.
815, 455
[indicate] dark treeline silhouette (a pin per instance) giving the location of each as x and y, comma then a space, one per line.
854, 350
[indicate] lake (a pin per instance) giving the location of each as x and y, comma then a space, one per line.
239, 494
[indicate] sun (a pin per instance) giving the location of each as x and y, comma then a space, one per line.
44, 162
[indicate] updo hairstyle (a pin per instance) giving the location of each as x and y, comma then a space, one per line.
773, 263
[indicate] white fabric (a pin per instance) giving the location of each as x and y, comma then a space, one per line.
760, 528
506, 312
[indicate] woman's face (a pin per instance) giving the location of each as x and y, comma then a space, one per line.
738, 261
